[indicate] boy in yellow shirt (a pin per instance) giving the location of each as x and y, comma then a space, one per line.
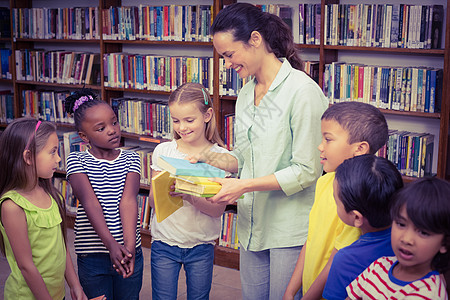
348, 129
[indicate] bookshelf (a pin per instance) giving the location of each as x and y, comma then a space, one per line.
322, 52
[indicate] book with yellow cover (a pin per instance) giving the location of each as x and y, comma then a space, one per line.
165, 205
198, 185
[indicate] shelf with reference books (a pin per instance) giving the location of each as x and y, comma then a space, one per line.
392, 34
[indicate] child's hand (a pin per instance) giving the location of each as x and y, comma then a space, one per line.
77, 293
130, 265
119, 257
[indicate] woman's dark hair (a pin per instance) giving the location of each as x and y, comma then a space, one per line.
427, 204
26, 134
366, 184
77, 103
241, 19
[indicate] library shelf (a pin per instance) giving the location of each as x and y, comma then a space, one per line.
226, 257
224, 104
75, 41
159, 43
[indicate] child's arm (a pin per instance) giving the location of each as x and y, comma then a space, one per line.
296, 281
222, 161
316, 289
15, 223
128, 209
83, 191
76, 291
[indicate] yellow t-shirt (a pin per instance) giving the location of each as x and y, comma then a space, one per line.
47, 247
325, 232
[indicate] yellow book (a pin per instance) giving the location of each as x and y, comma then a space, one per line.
165, 205
198, 185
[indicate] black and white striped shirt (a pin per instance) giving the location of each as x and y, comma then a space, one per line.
107, 179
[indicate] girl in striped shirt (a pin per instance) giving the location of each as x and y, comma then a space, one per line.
105, 180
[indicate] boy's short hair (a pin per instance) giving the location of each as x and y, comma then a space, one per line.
367, 184
362, 121
428, 207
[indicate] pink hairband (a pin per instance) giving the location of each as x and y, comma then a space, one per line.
31, 137
80, 101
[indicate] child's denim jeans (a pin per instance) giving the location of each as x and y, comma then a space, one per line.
166, 263
98, 277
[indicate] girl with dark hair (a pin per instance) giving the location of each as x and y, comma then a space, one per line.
33, 214
420, 239
276, 134
105, 180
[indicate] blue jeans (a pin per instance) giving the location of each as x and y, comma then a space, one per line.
166, 263
266, 274
98, 277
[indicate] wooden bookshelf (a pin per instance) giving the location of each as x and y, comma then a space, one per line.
224, 105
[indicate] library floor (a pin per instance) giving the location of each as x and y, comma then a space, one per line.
226, 282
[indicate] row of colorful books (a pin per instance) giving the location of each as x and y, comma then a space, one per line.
229, 121
5, 63
228, 234
309, 23
143, 116
158, 23
384, 25
156, 72
65, 67
283, 11
411, 152
417, 89
64, 187
56, 23
230, 83
45, 105
6, 107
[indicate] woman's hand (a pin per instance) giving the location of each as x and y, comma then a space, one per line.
231, 190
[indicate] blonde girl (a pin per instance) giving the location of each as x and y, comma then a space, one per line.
187, 237
33, 214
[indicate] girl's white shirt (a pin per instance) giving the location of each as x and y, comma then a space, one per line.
187, 227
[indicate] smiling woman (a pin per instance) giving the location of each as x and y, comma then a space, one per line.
277, 131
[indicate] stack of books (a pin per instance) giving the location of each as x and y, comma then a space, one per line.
188, 178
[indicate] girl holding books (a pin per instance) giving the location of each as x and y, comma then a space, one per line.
105, 180
33, 232
277, 131
187, 237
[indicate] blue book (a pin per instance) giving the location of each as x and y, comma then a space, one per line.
432, 89
183, 167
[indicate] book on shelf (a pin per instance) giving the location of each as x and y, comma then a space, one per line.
165, 205
416, 89
177, 166
228, 234
379, 25
6, 107
410, 152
